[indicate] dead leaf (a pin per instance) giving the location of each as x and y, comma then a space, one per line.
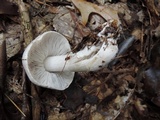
153, 12
86, 8
13, 37
157, 31
99, 89
74, 96
53, 9
151, 6
140, 108
7, 11
96, 116
129, 78
67, 24
8, 8
56, 115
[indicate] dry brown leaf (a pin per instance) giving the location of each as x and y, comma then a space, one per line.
157, 31
56, 115
151, 6
99, 89
129, 78
8, 8
86, 8
137, 33
53, 9
96, 116
140, 108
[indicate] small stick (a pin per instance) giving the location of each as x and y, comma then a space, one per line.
25, 22
25, 105
15, 105
28, 37
36, 106
3, 59
3, 66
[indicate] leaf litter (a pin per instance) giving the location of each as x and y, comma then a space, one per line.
125, 90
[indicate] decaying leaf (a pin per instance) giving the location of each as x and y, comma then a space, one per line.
152, 12
25, 22
157, 31
57, 115
107, 94
151, 6
99, 89
140, 108
14, 38
74, 96
96, 116
86, 8
8, 8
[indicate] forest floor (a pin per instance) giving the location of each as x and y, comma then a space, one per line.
128, 89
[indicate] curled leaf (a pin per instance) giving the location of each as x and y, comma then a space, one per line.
86, 8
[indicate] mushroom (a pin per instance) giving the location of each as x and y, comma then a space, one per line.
49, 62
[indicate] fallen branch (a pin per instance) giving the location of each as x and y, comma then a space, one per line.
28, 37
25, 22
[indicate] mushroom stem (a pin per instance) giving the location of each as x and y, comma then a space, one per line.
88, 59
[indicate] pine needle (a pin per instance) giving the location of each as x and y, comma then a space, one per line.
15, 105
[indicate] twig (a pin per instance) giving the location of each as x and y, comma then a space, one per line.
25, 104
36, 108
28, 37
3, 59
25, 22
3, 66
130, 94
15, 105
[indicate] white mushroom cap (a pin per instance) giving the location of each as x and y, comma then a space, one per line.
48, 44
